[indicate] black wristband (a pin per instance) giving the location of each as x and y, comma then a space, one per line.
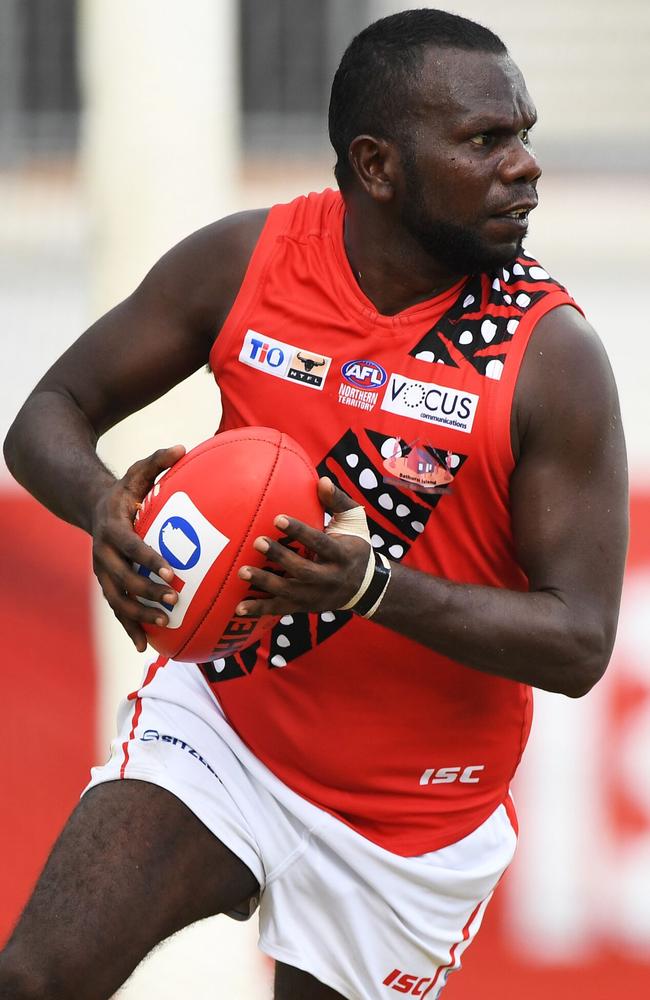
376, 587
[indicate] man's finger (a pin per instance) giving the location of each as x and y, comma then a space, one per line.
333, 499
314, 540
126, 548
262, 580
291, 563
136, 634
126, 607
140, 477
275, 606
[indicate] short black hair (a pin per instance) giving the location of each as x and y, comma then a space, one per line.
371, 87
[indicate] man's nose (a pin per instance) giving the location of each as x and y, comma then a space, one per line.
520, 164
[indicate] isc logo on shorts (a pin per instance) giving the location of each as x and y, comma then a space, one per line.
190, 544
437, 404
404, 982
295, 364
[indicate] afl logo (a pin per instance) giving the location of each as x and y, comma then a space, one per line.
179, 543
364, 374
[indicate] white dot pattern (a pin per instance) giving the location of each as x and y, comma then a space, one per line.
488, 330
368, 480
494, 368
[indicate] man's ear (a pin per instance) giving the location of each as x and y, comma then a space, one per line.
374, 161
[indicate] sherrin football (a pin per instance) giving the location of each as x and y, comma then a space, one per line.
203, 516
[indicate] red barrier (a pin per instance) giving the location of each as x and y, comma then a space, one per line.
48, 688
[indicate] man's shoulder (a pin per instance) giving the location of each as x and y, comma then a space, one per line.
237, 235
234, 234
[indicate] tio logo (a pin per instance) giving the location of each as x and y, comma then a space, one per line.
404, 983
263, 353
445, 775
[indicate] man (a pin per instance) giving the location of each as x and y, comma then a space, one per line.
350, 774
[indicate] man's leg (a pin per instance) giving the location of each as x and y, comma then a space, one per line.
132, 866
294, 984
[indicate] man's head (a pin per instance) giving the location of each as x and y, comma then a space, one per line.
430, 116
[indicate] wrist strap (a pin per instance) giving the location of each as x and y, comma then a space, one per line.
377, 575
365, 583
368, 602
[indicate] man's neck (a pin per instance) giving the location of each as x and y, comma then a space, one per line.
391, 269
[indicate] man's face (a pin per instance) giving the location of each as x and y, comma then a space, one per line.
469, 176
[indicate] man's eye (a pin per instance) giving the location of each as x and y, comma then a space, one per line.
482, 139
524, 135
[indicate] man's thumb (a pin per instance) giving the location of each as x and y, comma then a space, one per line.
333, 499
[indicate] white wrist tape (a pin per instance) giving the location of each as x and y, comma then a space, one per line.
365, 583
354, 522
377, 575
349, 522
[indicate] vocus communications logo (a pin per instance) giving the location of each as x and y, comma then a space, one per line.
437, 404
190, 544
286, 361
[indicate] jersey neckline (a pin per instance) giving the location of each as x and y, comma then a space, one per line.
434, 307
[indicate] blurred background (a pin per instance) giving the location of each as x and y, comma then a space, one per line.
125, 125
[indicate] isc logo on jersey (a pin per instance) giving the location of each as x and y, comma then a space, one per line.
447, 775
190, 544
437, 404
286, 361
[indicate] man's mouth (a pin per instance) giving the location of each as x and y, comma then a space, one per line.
518, 213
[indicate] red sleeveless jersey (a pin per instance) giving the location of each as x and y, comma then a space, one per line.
410, 415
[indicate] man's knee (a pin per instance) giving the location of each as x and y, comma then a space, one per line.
132, 866
20, 979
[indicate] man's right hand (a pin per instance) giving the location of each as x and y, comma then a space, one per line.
116, 547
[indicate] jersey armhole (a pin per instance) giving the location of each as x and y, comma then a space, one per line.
277, 222
501, 416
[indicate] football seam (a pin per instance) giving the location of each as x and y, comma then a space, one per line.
299, 455
149, 518
228, 576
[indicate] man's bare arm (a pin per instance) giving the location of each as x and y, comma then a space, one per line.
145, 345
569, 512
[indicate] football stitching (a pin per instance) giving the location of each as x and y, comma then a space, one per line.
243, 543
149, 518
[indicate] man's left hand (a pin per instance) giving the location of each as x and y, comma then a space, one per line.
324, 583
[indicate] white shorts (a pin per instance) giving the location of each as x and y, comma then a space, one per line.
360, 919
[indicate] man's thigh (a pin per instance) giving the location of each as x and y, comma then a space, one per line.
132, 866
294, 984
